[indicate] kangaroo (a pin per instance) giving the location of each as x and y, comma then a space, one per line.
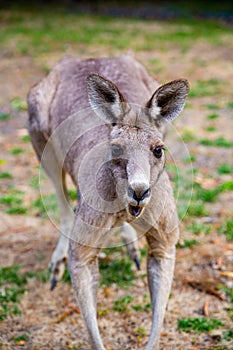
102, 122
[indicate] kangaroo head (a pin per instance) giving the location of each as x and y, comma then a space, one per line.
136, 145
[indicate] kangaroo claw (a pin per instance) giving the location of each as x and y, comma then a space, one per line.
53, 283
137, 262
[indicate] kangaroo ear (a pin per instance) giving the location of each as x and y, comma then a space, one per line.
105, 98
168, 100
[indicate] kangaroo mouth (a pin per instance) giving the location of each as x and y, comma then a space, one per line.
135, 210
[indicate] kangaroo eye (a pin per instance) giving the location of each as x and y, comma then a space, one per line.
158, 152
117, 151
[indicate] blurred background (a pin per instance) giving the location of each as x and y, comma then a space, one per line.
171, 39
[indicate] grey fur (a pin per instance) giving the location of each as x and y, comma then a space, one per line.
100, 120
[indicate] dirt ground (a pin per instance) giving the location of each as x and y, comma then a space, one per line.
29, 240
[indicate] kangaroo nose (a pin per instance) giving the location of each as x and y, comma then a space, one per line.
139, 194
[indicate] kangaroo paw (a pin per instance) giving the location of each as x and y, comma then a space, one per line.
57, 269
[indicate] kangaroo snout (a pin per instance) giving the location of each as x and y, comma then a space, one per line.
139, 194
138, 197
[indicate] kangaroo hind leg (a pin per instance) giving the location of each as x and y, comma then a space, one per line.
57, 175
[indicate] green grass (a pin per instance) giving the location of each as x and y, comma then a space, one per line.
5, 175
212, 116
16, 210
228, 291
212, 106
13, 202
210, 128
155, 65
9, 298
18, 104
227, 229
13, 197
182, 181
41, 275
140, 331
17, 150
21, 337
35, 179
146, 307
34, 182
197, 228
188, 135
191, 158
199, 325
191, 197
121, 305
13, 286
226, 186
26, 138
218, 142
55, 29
206, 195
225, 168
47, 206
228, 335
4, 116
210, 195
197, 209
72, 194
118, 271
66, 277
11, 275
188, 243
203, 88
